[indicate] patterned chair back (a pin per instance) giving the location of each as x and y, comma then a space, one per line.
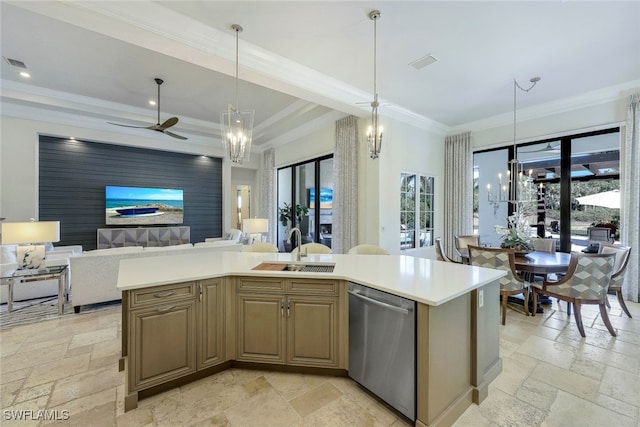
622, 258
588, 276
466, 241
500, 259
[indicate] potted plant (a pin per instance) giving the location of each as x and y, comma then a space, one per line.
517, 234
291, 216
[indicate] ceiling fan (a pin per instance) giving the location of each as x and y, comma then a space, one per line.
548, 148
159, 127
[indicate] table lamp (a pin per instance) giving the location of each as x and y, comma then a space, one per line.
254, 227
30, 236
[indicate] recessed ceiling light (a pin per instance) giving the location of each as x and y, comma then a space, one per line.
152, 102
418, 64
25, 74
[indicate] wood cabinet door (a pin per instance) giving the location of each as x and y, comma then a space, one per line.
312, 331
260, 328
162, 343
211, 322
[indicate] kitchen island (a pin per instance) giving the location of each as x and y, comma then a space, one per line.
188, 316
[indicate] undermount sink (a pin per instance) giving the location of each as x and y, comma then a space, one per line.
312, 267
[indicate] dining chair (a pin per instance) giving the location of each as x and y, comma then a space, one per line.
586, 282
464, 241
512, 283
441, 254
313, 248
367, 249
544, 245
619, 268
261, 247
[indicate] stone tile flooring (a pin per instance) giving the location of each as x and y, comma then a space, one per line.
551, 377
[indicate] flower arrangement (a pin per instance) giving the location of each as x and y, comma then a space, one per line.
517, 234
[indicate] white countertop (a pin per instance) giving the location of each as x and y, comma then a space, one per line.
423, 280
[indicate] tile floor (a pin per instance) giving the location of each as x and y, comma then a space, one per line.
551, 377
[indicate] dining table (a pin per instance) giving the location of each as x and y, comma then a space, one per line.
535, 262
532, 263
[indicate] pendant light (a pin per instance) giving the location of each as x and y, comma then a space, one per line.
374, 132
516, 186
236, 124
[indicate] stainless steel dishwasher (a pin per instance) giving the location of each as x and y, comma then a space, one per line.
382, 346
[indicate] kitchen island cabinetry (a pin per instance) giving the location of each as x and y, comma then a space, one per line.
293, 322
206, 314
162, 334
211, 322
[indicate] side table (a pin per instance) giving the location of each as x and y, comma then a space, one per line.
57, 272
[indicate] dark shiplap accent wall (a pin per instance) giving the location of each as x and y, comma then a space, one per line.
73, 176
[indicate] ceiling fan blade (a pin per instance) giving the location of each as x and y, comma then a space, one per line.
159, 127
175, 135
128, 126
171, 121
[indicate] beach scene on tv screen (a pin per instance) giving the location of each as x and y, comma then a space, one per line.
143, 206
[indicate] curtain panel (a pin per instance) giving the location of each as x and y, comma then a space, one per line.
268, 192
345, 185
458, 188
630, 189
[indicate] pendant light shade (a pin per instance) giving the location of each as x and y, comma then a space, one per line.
236, 124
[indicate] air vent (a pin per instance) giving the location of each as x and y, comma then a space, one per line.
419, 64
16, 63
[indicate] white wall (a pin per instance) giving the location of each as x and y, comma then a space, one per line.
405, 148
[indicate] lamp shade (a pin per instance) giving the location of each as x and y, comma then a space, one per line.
255, 225
30, 232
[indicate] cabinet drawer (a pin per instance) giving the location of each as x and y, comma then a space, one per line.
260, 284
312, 287
162, 294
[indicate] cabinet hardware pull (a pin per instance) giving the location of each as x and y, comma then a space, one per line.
200, 296
164, 294
281, 308
164, 310
288, 307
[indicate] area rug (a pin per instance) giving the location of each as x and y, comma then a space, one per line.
39, 310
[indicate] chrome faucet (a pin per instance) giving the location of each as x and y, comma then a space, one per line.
299, 236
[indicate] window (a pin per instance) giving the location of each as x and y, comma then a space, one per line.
565, 169
416, 211
309, 187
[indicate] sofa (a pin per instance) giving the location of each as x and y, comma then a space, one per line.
94, 274
58, 255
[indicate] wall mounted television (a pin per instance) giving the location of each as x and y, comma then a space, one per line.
143, 206
326, 198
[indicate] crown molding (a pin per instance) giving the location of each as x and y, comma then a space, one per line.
585, 100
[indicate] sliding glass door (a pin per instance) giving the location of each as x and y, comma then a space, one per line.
306, 190
566, 171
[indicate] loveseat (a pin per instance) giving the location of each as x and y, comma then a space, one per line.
58, 255
94, 275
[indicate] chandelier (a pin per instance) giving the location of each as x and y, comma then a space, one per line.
516, 186
236, 124
374, 132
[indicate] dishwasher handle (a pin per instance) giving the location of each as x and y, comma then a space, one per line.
380, 303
